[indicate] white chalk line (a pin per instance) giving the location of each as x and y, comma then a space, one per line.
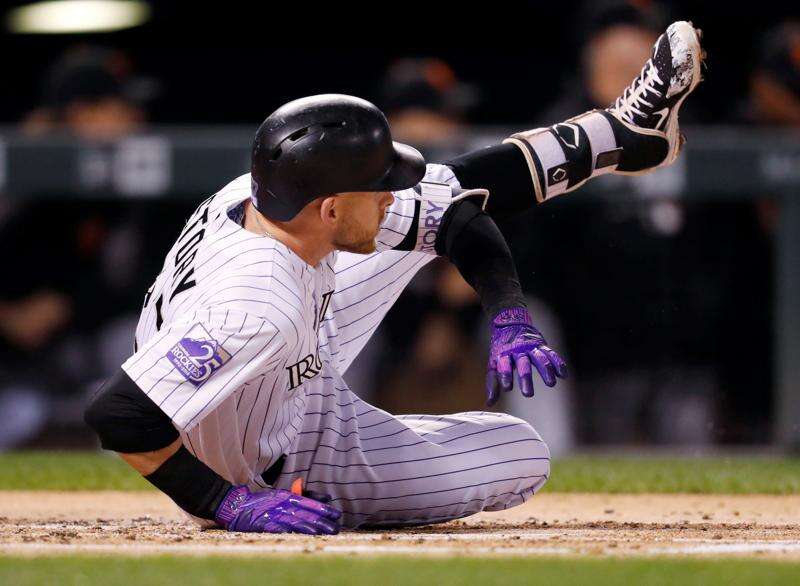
736, 547
690, 547
250, 549
355, 536
485, 536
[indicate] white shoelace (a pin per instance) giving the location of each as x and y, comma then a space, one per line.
633, 98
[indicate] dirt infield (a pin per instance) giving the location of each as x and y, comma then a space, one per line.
142, 523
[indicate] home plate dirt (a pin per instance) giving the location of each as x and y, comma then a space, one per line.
550, 524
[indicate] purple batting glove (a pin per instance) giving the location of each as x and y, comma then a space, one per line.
516, 344
276, 511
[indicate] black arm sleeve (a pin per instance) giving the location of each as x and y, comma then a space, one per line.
502, 170
129, 422
471, 240
192, 485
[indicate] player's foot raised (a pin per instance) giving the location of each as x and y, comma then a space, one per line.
650, 105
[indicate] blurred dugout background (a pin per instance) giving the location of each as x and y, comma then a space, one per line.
674, 297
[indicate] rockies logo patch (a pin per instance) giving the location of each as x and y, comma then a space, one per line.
197, 356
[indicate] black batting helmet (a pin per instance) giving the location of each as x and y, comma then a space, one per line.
321, 145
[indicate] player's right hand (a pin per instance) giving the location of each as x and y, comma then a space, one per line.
276, 511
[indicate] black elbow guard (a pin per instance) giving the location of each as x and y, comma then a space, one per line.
454, 221
126, 420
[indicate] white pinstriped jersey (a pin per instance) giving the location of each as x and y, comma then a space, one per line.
236, 328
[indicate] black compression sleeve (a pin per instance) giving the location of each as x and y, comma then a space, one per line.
502, 170
127, 420
192, 485
473, 243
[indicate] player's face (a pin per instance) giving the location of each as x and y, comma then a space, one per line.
359, 219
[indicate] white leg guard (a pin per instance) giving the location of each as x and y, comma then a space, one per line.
564, 156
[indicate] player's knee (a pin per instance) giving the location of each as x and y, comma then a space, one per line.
542, 473
126, 420
538, 467
524, 462
534, 464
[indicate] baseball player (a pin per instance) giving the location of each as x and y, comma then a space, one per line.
234, 402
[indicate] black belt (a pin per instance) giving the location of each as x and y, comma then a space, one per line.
270, 475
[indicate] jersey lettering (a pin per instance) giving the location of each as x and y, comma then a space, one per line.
159, 317
326, 300
186, 283
306, 369
182, 277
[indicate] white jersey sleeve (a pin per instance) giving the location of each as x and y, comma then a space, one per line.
191, 365
412, 221
367, 286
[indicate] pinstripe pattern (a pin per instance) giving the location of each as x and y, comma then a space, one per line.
260, 303
385, 470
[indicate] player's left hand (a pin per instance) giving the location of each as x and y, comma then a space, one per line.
517, 345
276, 511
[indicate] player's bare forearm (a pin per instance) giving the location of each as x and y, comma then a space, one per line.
145, 463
